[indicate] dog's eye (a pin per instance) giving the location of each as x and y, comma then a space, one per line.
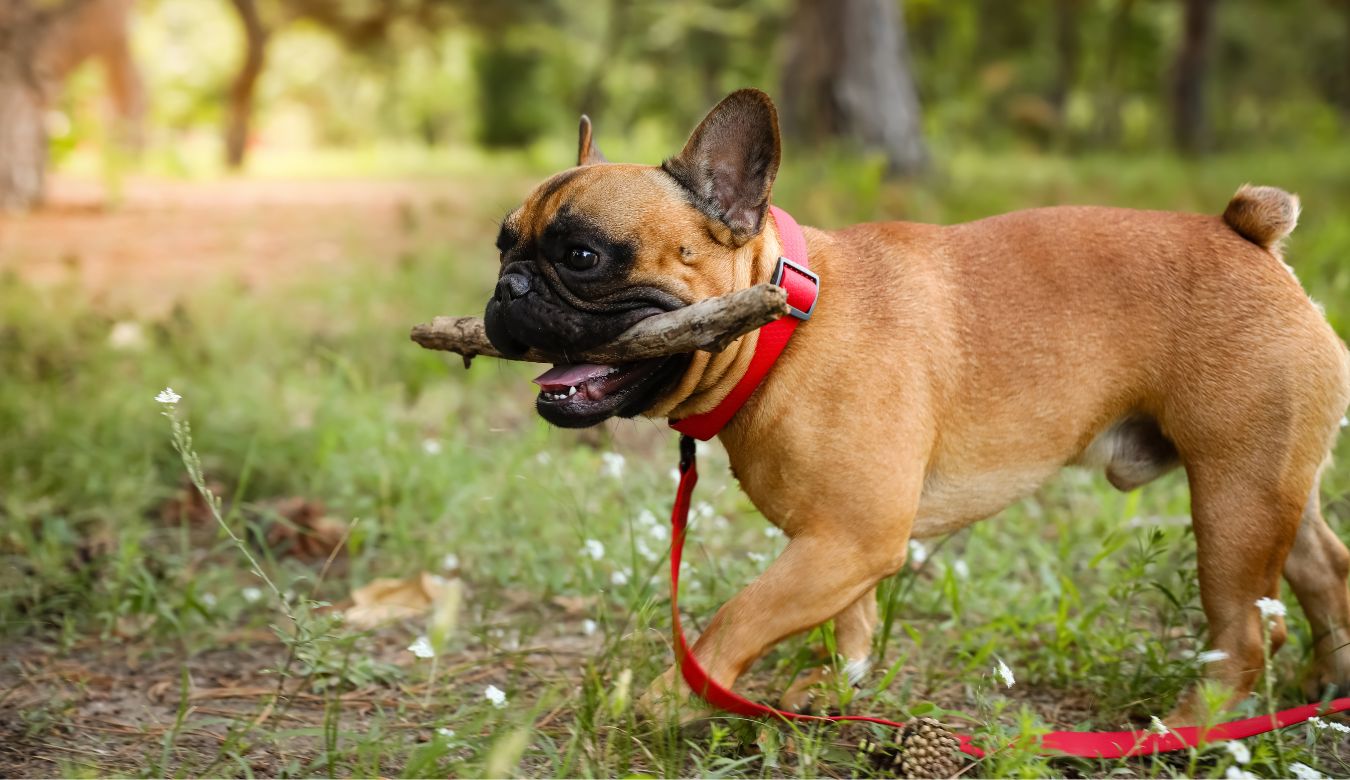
579, 259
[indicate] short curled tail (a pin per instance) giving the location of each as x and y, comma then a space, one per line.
1262, 215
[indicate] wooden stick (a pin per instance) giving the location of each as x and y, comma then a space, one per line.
709, 325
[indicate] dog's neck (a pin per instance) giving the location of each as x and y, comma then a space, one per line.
711, 376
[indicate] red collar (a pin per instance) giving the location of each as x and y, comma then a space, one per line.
803, 289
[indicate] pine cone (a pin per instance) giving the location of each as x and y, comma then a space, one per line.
928, 750
925, 750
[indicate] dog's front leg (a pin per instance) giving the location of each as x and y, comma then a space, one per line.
853, 629
818, 575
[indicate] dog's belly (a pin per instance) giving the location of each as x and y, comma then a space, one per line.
951, 502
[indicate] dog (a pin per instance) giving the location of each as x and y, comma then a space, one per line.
946, 372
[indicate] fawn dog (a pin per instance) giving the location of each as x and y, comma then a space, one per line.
948, 371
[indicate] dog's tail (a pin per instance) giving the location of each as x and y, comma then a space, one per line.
1262, 215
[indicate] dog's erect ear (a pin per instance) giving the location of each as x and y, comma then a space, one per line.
587, 153
730, 161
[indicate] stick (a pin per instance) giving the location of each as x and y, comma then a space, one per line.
709, 325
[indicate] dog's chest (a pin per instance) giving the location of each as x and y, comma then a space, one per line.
950, 501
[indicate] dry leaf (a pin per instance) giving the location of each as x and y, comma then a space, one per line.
186, 506
299, 527
575, 605
386, 599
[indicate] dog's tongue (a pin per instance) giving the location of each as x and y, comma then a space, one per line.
564, 376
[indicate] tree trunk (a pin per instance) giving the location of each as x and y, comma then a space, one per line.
1108, 93
240, 111
40, 44
847, 76
1345, 83
23, 137
1190, 123
1066, 51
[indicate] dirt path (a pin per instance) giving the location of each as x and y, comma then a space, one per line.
168, 237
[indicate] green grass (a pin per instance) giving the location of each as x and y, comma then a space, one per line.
313, 390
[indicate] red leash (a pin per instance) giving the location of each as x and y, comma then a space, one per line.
803, 291
1083, 744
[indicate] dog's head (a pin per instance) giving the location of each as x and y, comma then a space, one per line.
599, 247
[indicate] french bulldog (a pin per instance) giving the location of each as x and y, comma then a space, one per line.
946, 372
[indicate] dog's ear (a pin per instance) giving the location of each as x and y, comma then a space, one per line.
730, 161
587, 152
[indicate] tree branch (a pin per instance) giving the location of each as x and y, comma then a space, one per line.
710, 325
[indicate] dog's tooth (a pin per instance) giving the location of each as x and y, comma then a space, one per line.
571, 391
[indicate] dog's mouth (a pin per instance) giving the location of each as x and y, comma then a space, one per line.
575, 395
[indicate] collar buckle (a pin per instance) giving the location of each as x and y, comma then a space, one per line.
780, 270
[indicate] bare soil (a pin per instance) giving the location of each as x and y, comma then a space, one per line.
165, 238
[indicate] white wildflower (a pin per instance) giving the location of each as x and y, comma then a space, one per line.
619, 577
421, 647
1156, 725
1270, 607
640, 545
772, 531
1237, 773
660, 532
127, 336
1211, 656
1304, 772
495, 695
209, 599
450, 562
588, 626
614, 463
704, 509
1323, 725
961, 569
543, 458
431, 446
918, 552
594, 549
168, 397
646, 518
1238, 751
757, 557
445, 732
252, 595
674, 475
1004, 674
1345, 422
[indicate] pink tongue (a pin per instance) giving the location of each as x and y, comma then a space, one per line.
571, 375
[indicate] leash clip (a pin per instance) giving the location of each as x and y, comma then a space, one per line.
687, 452
780, 269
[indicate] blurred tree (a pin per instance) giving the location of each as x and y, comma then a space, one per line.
239, 114
1190, 125
1068, 23
362, 26
507, 62
40, 44
847, 76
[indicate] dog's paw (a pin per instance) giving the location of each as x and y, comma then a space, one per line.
1329, 673
816, 692
669, 700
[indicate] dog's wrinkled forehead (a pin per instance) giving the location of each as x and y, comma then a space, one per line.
603, 206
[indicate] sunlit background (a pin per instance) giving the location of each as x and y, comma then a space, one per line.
408, 572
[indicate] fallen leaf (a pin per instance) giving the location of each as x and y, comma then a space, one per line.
386, 599
299, 527
575, 605
187, 507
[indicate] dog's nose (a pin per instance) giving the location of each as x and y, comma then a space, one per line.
511, 287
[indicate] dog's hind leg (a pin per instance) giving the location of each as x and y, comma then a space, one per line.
1317, 569
1245, 520
853, 630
